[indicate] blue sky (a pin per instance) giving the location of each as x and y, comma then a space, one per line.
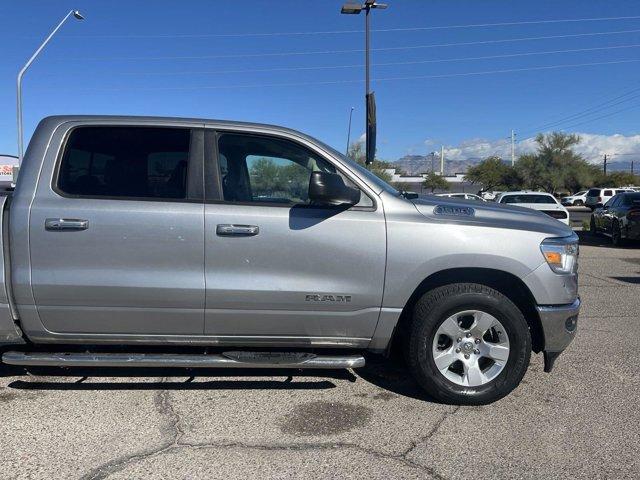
122, 60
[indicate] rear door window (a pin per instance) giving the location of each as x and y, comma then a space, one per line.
125, 162
608, 193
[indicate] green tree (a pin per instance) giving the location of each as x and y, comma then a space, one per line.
532, 172
357, 153
265, 176
555, 165
433, 181
271, 179
618, 179
492, 173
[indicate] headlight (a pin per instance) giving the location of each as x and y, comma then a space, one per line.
561, 253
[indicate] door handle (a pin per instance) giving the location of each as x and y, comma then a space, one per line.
65, 224
231, 230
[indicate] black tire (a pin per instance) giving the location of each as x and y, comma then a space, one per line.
433, 309
616, 235
592, 226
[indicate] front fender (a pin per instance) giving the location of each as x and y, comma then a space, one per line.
418, 248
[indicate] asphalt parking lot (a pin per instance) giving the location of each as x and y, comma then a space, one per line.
580, 421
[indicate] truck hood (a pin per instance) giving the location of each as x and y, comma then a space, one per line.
486, 214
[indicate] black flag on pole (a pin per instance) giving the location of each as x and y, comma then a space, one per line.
371, 128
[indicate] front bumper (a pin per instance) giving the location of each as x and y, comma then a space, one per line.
559, 325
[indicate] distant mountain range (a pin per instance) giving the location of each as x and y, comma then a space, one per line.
416, 164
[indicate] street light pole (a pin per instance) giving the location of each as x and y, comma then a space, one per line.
355, 9
367, 47
21, 73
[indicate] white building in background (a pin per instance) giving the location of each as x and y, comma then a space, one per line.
457, 182
7, 162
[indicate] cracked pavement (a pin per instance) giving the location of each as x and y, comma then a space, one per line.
580, 421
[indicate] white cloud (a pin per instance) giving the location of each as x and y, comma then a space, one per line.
592, 147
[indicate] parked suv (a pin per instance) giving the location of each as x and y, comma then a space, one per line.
256, 246
597, 197
576, 200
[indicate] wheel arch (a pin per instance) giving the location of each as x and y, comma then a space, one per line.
504, 282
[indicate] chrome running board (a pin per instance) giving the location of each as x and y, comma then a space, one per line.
232, 359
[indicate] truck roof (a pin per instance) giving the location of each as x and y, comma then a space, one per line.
59, 119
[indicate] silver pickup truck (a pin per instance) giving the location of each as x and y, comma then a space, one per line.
255, 246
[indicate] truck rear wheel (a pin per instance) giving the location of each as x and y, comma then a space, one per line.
468, 344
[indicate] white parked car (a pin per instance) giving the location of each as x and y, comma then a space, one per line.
542, 201
597, 197
576, 200
489, 196
464, 196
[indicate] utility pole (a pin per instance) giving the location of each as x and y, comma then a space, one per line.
605, 165
433, 158
513, 148
442, 160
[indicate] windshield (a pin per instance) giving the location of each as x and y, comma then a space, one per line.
379, 184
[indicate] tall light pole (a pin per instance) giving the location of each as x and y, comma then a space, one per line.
76, 14
349, 131
355, 9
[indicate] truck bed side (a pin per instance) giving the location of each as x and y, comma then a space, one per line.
10, 333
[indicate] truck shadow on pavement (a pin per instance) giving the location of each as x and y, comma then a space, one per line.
53, 378
390, 375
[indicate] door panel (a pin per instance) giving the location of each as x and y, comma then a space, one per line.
307, 271
133, 266
280, 281
138, 268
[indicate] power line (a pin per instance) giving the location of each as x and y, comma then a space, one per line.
601, 117
589, 111
383, 64
382, 79
381, 49
341, 32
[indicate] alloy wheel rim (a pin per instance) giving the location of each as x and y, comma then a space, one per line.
470, 348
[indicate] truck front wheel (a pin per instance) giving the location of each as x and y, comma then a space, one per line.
468, 345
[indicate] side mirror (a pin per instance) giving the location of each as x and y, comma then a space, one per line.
409, 195
329, 189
